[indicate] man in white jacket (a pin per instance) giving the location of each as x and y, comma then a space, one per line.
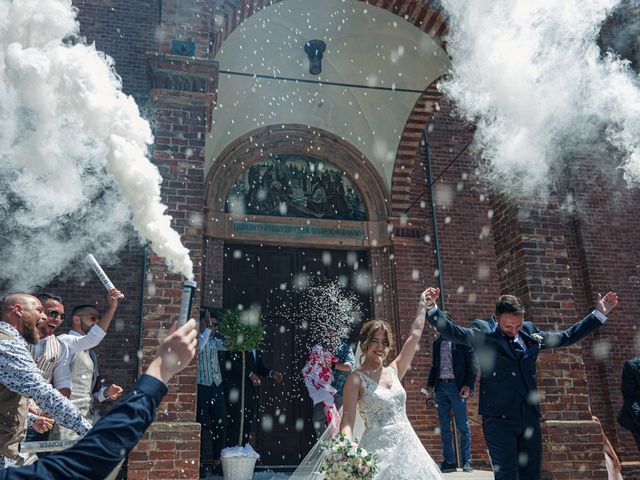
87, 331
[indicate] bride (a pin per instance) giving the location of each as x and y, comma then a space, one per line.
376, 391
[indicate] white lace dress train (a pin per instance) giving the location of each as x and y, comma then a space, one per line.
389, 435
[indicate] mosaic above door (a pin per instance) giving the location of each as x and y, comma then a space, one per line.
296, 186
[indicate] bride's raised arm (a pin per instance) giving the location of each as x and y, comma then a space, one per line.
404, 358
350, 398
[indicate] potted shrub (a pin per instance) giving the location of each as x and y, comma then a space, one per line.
241, 332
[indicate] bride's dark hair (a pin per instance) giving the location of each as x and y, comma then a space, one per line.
369, 329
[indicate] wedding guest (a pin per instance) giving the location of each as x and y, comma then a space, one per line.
341, 368
87, 331
51, 356
452, 376
232, 378
115, 434
20, 379
211, 410
509, 402
629, 415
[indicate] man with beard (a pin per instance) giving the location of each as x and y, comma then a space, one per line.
87, 331
51, 356
20, 379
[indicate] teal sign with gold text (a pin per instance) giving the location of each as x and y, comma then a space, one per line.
299, 230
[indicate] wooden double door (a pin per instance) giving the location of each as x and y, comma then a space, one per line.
273, 279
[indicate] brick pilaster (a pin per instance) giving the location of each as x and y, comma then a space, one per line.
181, 100
533, 259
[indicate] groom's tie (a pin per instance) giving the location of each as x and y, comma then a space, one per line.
516, 348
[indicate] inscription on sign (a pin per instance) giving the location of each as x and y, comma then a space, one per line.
299, 230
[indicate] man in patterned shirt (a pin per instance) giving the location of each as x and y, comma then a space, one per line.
20, 379
452, 376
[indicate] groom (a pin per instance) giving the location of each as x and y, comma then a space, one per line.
508, 348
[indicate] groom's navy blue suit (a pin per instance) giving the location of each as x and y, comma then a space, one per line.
508, 401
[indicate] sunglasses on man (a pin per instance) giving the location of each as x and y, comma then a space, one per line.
54, 314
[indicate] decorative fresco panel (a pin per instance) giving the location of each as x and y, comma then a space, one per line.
296, 186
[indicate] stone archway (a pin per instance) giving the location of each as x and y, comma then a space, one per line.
278, 258
282, 139
424, 14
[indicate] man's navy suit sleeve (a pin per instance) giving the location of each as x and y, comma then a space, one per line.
455, 333
571, 335
106, 444
472, 367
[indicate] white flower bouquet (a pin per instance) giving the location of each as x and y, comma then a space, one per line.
345, 460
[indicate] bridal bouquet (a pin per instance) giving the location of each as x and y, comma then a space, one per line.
345, 460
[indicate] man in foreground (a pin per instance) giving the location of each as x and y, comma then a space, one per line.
115, 434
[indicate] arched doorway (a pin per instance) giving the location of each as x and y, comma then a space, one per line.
290, 208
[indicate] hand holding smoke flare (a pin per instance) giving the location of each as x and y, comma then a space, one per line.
101, 275
188, 291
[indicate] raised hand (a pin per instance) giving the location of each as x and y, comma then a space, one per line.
175, 352
607, 303
429, 297
113, 296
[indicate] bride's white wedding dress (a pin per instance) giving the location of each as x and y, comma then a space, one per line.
389, 435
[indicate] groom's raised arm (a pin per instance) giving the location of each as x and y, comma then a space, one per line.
584, 327
446, 327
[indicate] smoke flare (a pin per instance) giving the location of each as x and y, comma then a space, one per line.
532, 78
74, 171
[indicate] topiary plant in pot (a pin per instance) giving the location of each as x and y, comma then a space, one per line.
241, 331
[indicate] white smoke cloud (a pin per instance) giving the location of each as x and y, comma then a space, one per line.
532, 78
74, 171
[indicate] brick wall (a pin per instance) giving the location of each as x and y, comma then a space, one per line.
181, 122
126, 31
608, 261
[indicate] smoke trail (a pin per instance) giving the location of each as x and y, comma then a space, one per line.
73, 148
531, 77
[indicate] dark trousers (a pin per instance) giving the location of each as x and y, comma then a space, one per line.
515, 444
211, 415
636, 437
233, 414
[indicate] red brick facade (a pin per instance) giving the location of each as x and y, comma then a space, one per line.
552, 257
